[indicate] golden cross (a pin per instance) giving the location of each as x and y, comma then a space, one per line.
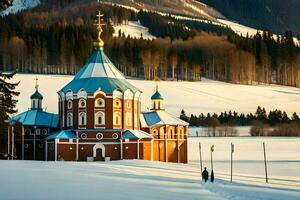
99, 24
99, 42
36, 83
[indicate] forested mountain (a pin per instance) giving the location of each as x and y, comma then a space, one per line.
56, 37
271, 15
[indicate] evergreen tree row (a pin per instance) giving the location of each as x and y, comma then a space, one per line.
232, 118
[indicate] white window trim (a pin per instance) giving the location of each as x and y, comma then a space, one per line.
79, 103
83, 136
98, 105
115, 136
69, 104
44, 131
69, 122
103, 118
99, 136
79, 119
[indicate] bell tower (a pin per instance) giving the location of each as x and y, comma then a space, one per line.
157, 100
36, 98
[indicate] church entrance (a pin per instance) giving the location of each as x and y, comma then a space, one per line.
99, 156
99, 152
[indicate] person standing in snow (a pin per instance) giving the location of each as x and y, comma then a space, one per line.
205, 175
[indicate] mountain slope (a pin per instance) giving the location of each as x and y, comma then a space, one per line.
190, 8
19, 5
272, 15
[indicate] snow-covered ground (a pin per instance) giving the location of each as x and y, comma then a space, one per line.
19, 5
248, 166
134, 30
153, 180
194, 97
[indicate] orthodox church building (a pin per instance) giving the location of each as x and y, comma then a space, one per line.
100, 119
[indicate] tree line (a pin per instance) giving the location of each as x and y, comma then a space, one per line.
56, 37
274, 123
232, 118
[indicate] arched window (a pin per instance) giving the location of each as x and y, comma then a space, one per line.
100, 103
100, 118
128, 104
69, 119
128, 119
117, 103
117, 118
82, 103
82, 119
69, 104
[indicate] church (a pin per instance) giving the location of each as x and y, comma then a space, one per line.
99, 119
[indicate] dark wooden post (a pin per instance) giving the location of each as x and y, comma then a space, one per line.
231, 160
265, 158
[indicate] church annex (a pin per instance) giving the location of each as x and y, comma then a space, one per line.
99, 119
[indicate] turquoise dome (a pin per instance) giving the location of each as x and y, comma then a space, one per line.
157, 95
37, 95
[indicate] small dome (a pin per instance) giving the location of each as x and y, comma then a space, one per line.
37, 95
157, 95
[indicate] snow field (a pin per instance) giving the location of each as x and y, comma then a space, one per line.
248, 161
194, 97
120, 180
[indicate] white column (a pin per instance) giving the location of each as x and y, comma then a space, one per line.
46, 150
34, 143
138, 149
8, 142
55, 149
77, 149
23, 153
12, 143
121, 148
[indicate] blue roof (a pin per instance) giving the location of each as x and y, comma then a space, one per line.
136, 134
99, 72
37, 95
160, 118
36, 118
63, 134
157, 95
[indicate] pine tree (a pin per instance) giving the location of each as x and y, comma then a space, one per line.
7, 104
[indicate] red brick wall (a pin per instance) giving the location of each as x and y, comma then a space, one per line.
63, 151
130, 152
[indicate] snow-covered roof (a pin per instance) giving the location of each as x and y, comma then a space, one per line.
136, 134
36, 118
160, 118
99, 73
63, 134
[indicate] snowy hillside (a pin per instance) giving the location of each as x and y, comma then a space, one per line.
245, 30
19, 5
134, 30
194, 97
